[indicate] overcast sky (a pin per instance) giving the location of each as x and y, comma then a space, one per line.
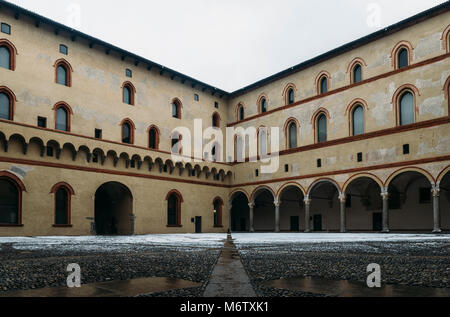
228, 43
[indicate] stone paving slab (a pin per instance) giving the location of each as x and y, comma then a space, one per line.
129, 288
229, 278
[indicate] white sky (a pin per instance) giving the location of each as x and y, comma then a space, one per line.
227, 43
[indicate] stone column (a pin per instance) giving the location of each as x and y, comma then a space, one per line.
251, 205
385, 197
277, 215
435, 191
307, 202
342, 200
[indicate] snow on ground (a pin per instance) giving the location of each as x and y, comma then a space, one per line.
110, 243
287, 238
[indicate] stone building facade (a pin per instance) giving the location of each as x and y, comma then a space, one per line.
87, 137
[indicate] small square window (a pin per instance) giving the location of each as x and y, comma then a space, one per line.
406, 149
63, 49
49, 151
196, 97
319, 163
128, 73
216, 105
98, 133
360, 157
42, 122
424, 195
6, 28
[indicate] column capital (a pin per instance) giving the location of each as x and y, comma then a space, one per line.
342, 198
252, 204
307, 201
277, 203
435, 191
384, 193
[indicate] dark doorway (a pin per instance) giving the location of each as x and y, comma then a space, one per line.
198, 224
243, 225
317, 220
113, 210
240, 213
377, 221
295, 223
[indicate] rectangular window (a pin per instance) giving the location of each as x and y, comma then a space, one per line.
95, 158
319, 163
133, 164
406, 149
216, 105
196, 97
129, 73
360, 157
165, 168
42, 122
257, 173
193, 173
98, 133
286, 168
63, 49
424, 195
6, 28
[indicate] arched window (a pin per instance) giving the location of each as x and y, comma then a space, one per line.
290, 96
10, 199
127, 95
63, 196
292, 135
322, 128
263, 141
63, 73
62, 119
406, 108
216, 120
176, 109
403, 57
358, 120
127, 131
239, 146
5, 107
128, 92
217, 203
357, 73
174, 200
240, 112
323, 85
8, 54
176, 143
5, 57
263, 105
153, 138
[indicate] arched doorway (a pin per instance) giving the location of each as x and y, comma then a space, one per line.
325, 207
240, 213
264, 210
444, 202
410, 202
292, 209
364, 205
114, 210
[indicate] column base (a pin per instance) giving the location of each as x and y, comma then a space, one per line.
385, 231
343, 231
437, 231
307, 231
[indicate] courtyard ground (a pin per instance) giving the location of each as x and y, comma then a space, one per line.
405, 259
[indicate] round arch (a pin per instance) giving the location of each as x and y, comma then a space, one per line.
409, 169
114, 210
375, 178
235, 192
323, 180
286, 186
261, 188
